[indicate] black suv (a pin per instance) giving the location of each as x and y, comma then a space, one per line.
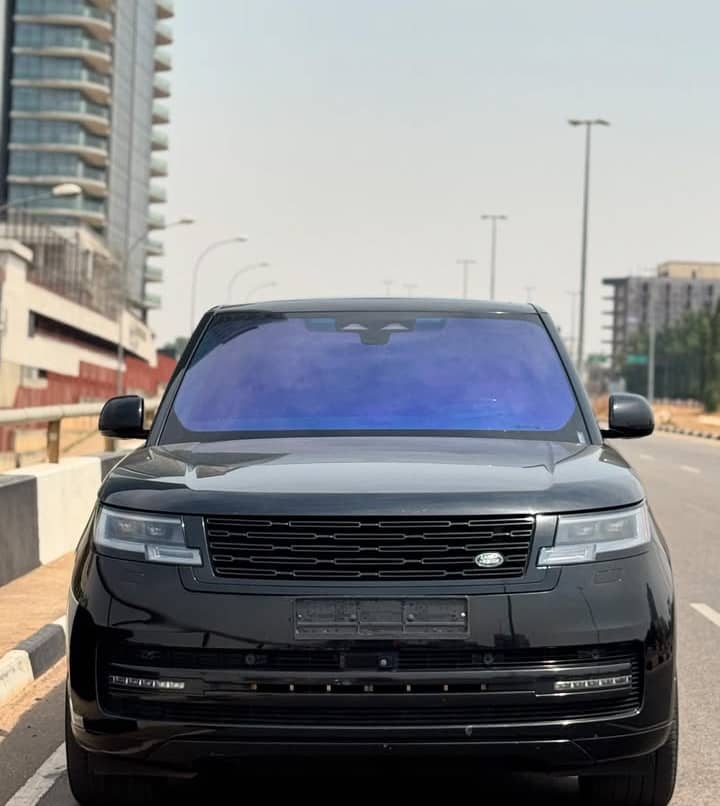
373, 527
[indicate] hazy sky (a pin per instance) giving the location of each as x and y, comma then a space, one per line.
356, 141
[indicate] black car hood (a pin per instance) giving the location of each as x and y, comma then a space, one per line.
372, 475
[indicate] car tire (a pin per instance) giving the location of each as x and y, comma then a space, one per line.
653, 787
91, 789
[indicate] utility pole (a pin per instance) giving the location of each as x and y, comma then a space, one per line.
651, 342
465, 263
588, 124
572, 340
493, 218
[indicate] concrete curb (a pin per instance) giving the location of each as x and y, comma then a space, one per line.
31, 658
688, 432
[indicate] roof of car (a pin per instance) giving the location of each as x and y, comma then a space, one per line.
415, 304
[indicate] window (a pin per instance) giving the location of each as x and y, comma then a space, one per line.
375, 372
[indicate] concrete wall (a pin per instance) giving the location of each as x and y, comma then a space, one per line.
44, 509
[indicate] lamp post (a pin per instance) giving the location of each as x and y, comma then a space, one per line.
196, 269
181, 222
588, 124
239, 273
573, 300
63, 190
258, 288
465, 263
493, 218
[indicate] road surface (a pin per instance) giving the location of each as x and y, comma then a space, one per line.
682, 476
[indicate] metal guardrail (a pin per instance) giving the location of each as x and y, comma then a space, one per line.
54, 415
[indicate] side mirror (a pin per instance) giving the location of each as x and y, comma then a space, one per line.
629, 416
123, 418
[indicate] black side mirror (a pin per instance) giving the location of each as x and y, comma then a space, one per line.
123, 418
629, 416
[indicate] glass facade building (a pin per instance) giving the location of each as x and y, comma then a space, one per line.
79, 79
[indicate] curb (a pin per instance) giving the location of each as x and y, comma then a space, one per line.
688, 432
31, 658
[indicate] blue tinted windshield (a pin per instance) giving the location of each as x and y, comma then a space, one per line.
255, 372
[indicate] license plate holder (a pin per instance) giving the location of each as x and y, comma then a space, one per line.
417, 617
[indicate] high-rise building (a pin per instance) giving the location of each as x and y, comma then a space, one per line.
677, 288
81, 83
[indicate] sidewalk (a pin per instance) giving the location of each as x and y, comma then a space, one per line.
32, 601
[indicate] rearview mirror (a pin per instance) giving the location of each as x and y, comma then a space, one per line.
123, 418
629, 416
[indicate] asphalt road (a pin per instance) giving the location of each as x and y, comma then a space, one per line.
682, 476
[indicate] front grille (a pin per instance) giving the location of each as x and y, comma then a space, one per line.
280, 690
360, 549
456, 710
409, 658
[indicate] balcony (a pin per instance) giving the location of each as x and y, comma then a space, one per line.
158, 167
151, 301
95, 54
93, 181
96, 21
154, 247
161, 113
61, 141
158, 195
163, 61
165, 9
156, 221
160, 140
94, 117
161, 87
82, 208
163, 34
61, 74
153, 274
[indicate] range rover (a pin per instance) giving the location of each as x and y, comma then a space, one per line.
373, 528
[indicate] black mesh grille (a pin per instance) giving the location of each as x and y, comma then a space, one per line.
367, 548
456, 710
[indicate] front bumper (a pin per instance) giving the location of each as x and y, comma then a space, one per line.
252, 687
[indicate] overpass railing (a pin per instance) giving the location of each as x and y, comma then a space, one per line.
53, 417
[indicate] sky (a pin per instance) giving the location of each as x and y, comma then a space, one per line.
360, 141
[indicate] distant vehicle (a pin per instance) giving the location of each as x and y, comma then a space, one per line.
386, 526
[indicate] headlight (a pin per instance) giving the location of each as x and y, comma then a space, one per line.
155, 538
585, 538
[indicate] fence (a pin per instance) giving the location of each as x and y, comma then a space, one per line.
53, 416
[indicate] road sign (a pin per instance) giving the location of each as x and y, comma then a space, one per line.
636, 360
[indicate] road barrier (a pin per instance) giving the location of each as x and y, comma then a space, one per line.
44, 507
53, 416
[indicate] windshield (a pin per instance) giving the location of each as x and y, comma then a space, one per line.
276, 374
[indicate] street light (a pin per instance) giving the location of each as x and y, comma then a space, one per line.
588, 124
465, 263
493, 218
198, 263
64, 189
239, 273
181, 222
573, 300
258, 289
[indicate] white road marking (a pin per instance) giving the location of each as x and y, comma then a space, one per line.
41, 781
689, 469
705, 610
